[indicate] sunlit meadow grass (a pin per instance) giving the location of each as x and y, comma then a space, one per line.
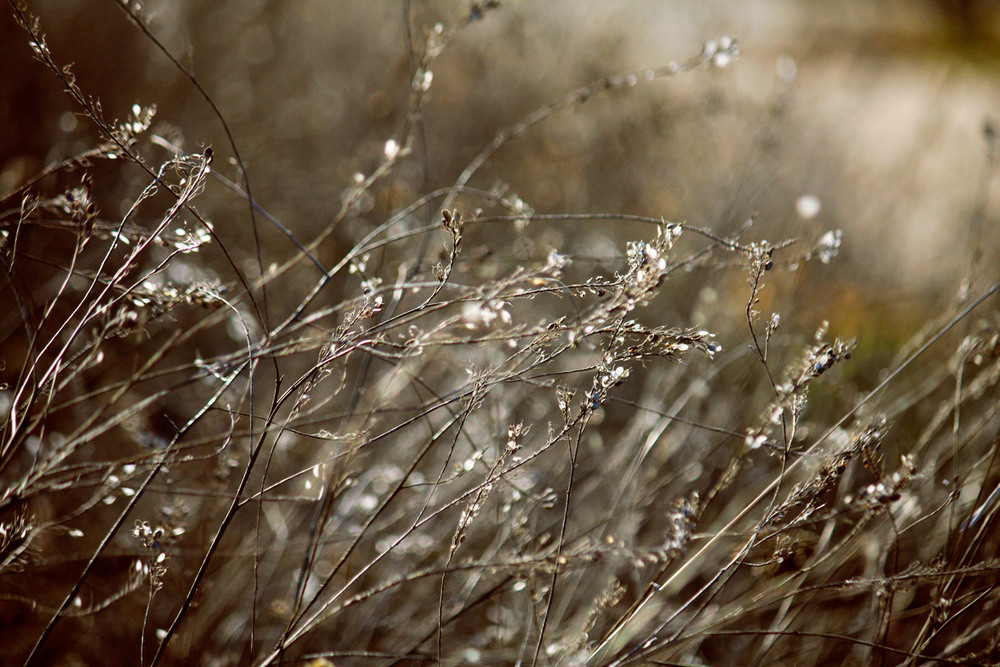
432, 436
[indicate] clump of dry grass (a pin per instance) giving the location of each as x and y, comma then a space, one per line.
451, 442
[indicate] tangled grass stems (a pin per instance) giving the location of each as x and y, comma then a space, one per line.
390, 441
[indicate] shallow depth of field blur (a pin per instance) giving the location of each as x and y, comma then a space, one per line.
651, 332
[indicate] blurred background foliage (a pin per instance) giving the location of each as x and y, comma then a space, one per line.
877, 109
